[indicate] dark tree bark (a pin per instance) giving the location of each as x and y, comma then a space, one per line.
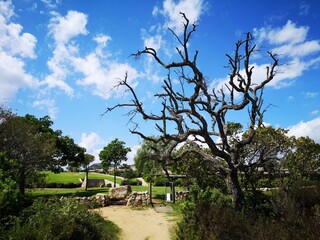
200, 117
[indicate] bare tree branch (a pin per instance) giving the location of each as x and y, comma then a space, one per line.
200, 115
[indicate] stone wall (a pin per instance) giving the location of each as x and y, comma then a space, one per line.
135, 199
181, 196
100, 199
93, 183
138, 199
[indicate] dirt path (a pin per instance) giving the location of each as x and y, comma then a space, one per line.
139, 224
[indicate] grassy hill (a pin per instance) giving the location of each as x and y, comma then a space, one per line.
73, 177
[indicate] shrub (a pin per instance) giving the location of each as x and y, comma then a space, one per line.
131, 182
160, 181
178, 182
62, 185
61, 220
206, 218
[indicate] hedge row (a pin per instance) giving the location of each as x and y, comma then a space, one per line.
62, 185
131, 182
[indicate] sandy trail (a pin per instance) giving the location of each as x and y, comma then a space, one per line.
139, 224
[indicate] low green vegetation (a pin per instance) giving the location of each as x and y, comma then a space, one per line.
65, 192
55, 219
279, 215
73, 177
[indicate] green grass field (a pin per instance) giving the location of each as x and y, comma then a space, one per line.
73, 177
65, 192
91, 191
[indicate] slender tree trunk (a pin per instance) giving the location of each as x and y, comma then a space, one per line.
22, 182
235, 189
87, 175
114, 176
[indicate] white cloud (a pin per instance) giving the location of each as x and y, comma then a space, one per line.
298, 50
284, 75
102, 41
154, 42
304, 8
296, 55
102, 78
93, 143
53, 82
48, 104
14, 42
171, 10
310, 128
132, 154
289, 33
310, 94
65, 28
6, 9
13, 76
15, 45
51, 3
155, 36
100, 73
290, 44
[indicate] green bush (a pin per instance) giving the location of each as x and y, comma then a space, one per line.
269, 183
131, 182
11, 201
61, 220
9, 197
209, 217
62, 185
160, 181
178, 182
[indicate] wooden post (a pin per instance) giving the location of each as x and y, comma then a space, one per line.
114, 176
150, 192
173, 193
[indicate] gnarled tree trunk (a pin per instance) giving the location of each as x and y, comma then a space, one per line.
234, 188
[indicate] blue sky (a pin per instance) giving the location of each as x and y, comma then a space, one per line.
62, 58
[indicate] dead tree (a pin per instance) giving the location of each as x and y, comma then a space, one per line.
200, 117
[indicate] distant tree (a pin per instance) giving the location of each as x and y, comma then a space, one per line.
199, 171
266, 153
128, 171
113, 154
67, 151
192, 112
304, 159
146, 160
9, 189
24, 143
88, 158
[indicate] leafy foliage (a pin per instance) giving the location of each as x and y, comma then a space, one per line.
131, 182
304, 159
209, 216
67, 152
9, 191
199, 171
23, 143
61, 220
145, 160
113, 154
